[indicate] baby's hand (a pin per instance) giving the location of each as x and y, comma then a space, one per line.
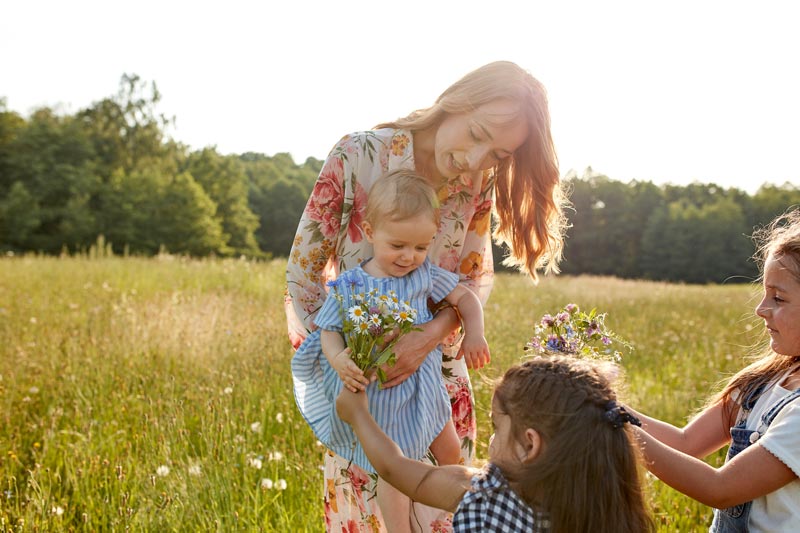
352, 376
475, 351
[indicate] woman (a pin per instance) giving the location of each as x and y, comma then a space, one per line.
485, 143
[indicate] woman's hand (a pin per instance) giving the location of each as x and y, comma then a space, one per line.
413, 347
410, 351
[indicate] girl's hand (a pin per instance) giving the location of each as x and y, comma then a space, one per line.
352, 376
475, 351
349, 404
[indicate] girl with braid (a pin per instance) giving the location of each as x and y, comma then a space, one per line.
561, 459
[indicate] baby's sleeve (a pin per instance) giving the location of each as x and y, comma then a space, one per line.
782, 439
442, 283
330, 315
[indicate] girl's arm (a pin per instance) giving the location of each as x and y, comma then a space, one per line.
338, 357
751, 474
704, 434
437, 486
474, 347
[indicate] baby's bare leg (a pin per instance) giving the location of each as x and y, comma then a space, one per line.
395, 508
446, 447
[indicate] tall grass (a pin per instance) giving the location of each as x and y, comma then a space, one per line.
155, 394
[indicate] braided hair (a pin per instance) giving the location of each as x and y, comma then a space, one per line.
587, 475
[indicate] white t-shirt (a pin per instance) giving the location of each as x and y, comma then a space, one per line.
778, 510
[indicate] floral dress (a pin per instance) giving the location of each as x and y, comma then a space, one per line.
330, 240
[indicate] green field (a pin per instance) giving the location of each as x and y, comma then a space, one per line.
155, 394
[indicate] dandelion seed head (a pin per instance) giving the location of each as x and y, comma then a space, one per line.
255, 427
255, 462
266, 483
162, 471
280, 484
228, 390
57, 510
279, 418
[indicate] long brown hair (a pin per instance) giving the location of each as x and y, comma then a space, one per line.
588, 476
529, 197
780, 240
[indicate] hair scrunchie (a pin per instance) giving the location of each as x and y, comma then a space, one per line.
616, 415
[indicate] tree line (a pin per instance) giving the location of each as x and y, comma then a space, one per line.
112, 170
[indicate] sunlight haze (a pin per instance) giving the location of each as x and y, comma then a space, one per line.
676, 92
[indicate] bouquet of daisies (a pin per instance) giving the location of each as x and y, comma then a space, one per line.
574, 332
372, 323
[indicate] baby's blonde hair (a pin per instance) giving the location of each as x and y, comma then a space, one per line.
399, 195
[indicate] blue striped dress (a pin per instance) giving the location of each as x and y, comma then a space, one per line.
413, 413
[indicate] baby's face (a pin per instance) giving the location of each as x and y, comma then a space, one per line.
400, 246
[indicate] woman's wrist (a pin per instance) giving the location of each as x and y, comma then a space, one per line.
448, 317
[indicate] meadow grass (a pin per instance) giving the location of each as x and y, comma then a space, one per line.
155, 394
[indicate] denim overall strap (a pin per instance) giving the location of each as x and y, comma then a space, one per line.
735, 519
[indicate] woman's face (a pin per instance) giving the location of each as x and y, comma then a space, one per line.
478, 140
780, 307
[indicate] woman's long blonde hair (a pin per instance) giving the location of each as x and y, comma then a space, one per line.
529, 198
779, 240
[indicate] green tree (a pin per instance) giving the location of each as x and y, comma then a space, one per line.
53, 159
224, 180
279, 206
188, 224
10, 125
772, 200
127, 131
19, 217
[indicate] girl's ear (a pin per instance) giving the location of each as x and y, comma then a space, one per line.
367, 227
532, 446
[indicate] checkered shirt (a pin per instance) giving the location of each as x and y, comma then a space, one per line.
490, 505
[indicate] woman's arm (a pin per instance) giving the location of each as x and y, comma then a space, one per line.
704, 434
440, 487
314, 245
751, 474
413, 347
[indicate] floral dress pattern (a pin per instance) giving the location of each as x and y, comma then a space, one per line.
330, 240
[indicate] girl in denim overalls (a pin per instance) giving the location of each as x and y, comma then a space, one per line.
757, 489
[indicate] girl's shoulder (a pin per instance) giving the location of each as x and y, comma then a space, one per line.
492, 502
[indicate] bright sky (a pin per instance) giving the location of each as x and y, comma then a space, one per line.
663, 91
